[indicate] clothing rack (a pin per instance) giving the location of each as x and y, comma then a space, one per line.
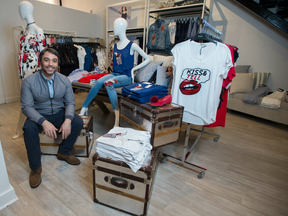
212, 28
180, 14
182, 162
60, 33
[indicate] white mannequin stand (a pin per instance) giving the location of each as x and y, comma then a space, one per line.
26, 10
119, 28
7, 192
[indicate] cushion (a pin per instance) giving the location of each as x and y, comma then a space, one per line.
145, 73
151, 57
260, 78
242, 83
242, 68
167, 60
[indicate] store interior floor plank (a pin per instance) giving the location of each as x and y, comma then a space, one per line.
246, 172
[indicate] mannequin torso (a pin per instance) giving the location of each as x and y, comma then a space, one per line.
32, 42
120, 26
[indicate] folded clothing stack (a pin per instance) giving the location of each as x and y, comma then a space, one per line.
254, 96
273, 101
141, 92
126, 145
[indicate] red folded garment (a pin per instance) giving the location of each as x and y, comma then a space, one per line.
86, 79
160, 102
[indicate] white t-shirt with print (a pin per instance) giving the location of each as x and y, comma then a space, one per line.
199, 71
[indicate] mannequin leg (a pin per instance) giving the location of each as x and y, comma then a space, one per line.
21, 120
92, 93
116, 124
116, 81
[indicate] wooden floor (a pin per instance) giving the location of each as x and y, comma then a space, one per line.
247, 172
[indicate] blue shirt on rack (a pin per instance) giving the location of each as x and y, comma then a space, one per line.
159, 37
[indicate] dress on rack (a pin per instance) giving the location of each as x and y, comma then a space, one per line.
197, 83
30, 46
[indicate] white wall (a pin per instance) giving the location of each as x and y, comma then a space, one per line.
99, 8
261, 45
48, 17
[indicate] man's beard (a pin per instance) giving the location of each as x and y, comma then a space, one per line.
45, 71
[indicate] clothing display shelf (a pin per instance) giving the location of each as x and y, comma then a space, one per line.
134, 28
200, 9
129, 32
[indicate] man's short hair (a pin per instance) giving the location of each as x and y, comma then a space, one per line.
50, 50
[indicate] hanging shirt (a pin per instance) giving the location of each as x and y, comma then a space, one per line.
123, 61
158, 36
81, 53
172, 31
88, 59
222, 108
197, 83
30, 46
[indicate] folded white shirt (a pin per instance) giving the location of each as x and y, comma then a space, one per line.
127, 138
125, 144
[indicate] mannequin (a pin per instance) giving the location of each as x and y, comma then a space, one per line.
31, 43
121, 75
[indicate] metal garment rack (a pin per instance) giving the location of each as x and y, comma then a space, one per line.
182, 162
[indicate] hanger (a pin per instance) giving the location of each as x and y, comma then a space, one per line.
203, 37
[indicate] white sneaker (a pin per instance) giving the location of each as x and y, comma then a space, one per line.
84, 111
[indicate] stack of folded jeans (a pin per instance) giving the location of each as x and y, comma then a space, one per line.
126, 145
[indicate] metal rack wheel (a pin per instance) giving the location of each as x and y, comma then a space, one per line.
163, 160
201, 175
216, 139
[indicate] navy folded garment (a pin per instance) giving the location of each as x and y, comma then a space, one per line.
253, 97
142, 89
142, 92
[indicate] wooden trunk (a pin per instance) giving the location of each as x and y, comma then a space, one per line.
164, 123
83, 144
117, 186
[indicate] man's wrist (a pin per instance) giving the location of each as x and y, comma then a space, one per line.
68, 120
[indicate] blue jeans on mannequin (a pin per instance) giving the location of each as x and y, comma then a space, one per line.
110, 81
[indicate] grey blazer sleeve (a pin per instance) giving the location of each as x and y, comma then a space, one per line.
27, 104
69, 100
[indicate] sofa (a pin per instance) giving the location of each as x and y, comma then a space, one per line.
246, 81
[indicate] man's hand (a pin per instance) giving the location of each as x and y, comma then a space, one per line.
49, 129
65, 128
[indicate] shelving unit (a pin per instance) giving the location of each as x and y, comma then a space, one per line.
137, 7
201, 9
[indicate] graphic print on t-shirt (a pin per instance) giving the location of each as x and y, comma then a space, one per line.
137, 88
192, 79
118, 58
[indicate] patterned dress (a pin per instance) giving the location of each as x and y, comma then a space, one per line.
30, 46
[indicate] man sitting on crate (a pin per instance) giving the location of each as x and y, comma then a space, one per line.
43, 97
